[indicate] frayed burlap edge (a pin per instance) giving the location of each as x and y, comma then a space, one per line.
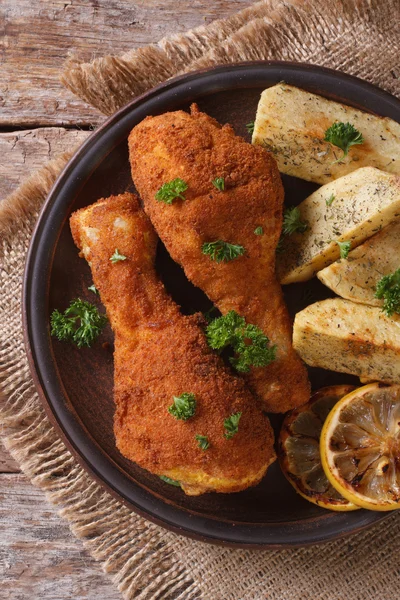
359, 37
121, 78
139, 556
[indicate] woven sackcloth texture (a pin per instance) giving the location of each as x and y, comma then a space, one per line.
360, 37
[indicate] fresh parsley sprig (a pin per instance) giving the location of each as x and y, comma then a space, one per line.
292, 222
231, 425
259, 231
184, 406
344, 248
225, 331
250, 344
172, 190
81, 323
258, 353
219, 183
222, 251
203, 442
344, 136
388, 289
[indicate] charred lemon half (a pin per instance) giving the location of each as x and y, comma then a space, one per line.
299, 449
360, 447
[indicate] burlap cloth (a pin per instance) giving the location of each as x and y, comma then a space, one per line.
356, 36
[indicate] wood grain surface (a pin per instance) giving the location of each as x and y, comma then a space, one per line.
39, 557
40, 35
7, 463
25, 151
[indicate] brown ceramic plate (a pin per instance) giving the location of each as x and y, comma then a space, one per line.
76, 385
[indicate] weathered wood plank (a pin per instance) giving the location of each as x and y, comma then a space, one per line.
39, 35
22, 152
7, 464
39, 557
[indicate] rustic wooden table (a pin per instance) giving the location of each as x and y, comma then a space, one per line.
39, 558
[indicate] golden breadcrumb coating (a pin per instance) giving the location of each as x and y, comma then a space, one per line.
195, 148
159, 354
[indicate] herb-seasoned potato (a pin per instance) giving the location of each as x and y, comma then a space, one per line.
356, 277
291, 123
352, 209
342, 336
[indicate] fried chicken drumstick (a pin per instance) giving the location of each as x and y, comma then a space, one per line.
230, 192
162, 356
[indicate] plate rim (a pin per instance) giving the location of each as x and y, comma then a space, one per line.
189, 529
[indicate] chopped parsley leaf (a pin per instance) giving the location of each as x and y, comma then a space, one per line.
250, 344
184, 406
344, 136
81, 323
172, 190
250, 127
292, 222
170, 481
344, 248
203, 442
116, 257
219, 183
222, 251
329, 200
231, 425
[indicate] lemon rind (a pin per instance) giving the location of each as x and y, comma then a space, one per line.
330, 470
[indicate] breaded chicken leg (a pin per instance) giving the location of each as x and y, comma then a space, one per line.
194, 148
161, 354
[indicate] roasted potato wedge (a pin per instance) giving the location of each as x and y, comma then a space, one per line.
356, 277
291, 123
342, 336
352, 208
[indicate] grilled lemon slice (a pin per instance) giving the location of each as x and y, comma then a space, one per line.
360, 447
299, 453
